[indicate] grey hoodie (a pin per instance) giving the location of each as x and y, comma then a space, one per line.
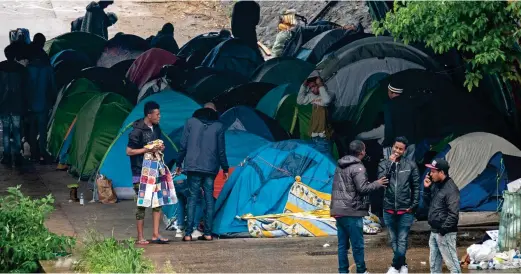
350, 189
202, 143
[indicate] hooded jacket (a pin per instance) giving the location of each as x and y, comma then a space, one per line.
13, 95
141, 135
165, 41
403, 190
202, 143
41, 85
245, 18
96, 21
351, 188
443, 201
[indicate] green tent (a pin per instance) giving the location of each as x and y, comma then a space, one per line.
90, 44
66, 108
97, 125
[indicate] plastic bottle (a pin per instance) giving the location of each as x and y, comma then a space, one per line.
82, 201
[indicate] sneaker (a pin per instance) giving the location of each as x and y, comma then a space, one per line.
179, 233
196, 234
404, 269
392, 270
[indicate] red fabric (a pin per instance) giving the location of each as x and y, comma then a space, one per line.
148, 66
219, 182
399, 212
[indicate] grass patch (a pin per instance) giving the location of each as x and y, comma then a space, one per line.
107, 255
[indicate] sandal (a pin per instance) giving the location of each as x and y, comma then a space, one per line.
160, 241
203, 238
142, 242
189, 237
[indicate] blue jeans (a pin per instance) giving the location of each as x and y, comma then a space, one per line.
350, 229
399, 227
11, 125
183, 193
196, 180
323, 145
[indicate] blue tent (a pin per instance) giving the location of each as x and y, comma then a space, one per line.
175, 108
269, 104
234, 55
251, 120
261, 185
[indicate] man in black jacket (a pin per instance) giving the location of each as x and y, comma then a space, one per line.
144, 131
401, 199
203, 152
13, 100
350, 203
443, 201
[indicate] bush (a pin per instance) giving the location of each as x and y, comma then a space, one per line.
107, 255
24, 239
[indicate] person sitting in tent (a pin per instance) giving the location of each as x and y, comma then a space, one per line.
203, 145
12, 103
165, 39
314, 92
245, 18
145, 131
96, 21
287, 21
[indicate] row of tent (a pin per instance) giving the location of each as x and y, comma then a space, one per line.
105, 84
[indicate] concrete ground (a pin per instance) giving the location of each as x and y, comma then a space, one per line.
230, 255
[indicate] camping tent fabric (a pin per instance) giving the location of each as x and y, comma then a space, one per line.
314, 49
261, 185
235, 56
70, 56
90, 44
109, 82
120, 48
269, 104
195, 50
67, 64
283, 70
66, 109
243, 118
244, 95
63, 155
175, 108
97, 126
302, 34
212, 86
154, 86
293, 117
148, 66
120, 69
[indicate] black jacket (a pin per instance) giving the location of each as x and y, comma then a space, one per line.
443, 201
140, 136
13, 93
203, 146
165, 41
403, 190
350, 188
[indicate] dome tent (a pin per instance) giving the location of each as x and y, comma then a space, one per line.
243, 95
90, 44
120, 48
243, 118
283, 70
148, 66
270, 103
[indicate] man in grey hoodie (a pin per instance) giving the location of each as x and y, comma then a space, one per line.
350, 203
203, 153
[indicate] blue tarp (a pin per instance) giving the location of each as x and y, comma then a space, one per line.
248, 119
235, 56
262, 184
175, 109
271, 101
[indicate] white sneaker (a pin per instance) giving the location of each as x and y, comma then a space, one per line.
404, 269
179, 233
196, 234
392, 270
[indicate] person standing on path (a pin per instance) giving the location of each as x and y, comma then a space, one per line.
350, 203
443, 201
12, 104
401, 198
145, 130
203, 152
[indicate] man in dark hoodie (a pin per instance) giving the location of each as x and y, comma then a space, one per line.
12, 103
165, 39
203, 146
37, 45
350, 203
245, 18
41, 92
96, 21
144, 131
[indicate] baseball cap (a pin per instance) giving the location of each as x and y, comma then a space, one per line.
438, 164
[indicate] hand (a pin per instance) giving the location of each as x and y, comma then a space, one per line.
225, 176
319, 82
393, 157
148, 150
178, 170
383, 181
427, 182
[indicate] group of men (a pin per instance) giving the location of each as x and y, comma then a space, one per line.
27, 92
400, 179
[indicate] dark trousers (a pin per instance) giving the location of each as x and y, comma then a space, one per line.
196, 181
37, 125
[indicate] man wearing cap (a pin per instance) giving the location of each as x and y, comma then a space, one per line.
314, 92
443, 201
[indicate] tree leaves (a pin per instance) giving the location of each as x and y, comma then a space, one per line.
484, 32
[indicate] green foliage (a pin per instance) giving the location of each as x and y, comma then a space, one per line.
24, 239
107, 255
485, 32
